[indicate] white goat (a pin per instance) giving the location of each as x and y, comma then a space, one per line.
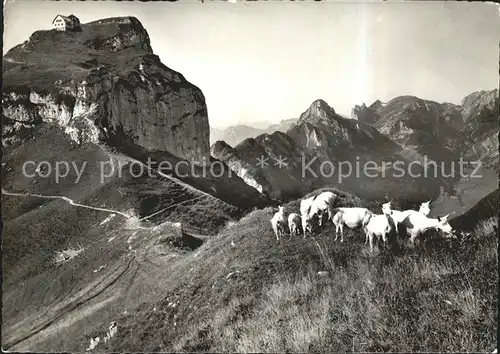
322, 204
399, 216
417, 223
278, 222
350, 217
380, 226
425, 208
294, 223
305, 207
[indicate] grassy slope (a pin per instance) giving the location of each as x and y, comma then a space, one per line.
214, 178
243, 292
126, 266
486, 208
35, 229
38, 218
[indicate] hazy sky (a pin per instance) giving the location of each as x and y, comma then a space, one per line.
270, 60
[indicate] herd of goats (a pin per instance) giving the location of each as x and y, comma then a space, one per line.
314, 209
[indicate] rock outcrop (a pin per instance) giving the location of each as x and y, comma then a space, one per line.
318, 111
103, 84
364, 113
255, 161
245, 170
321, 130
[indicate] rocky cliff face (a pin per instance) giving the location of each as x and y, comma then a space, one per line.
478, 102
439, 130
321, 130
318, 112
426, 127
366, 114
103, 84
478, 139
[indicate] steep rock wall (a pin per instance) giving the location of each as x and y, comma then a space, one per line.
122, 94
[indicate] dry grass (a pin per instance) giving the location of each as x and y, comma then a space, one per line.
242, 292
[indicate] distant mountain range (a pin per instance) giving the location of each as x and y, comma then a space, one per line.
319, 137
405, 129
442, 131
237, 133
422, 126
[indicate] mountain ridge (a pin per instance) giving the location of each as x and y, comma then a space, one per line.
235, 134
423, 124
323, 137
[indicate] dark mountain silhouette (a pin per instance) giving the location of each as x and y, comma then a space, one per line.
484, 209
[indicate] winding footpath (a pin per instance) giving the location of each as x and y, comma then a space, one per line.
69, 200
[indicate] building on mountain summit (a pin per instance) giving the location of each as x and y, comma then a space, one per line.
66, 23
